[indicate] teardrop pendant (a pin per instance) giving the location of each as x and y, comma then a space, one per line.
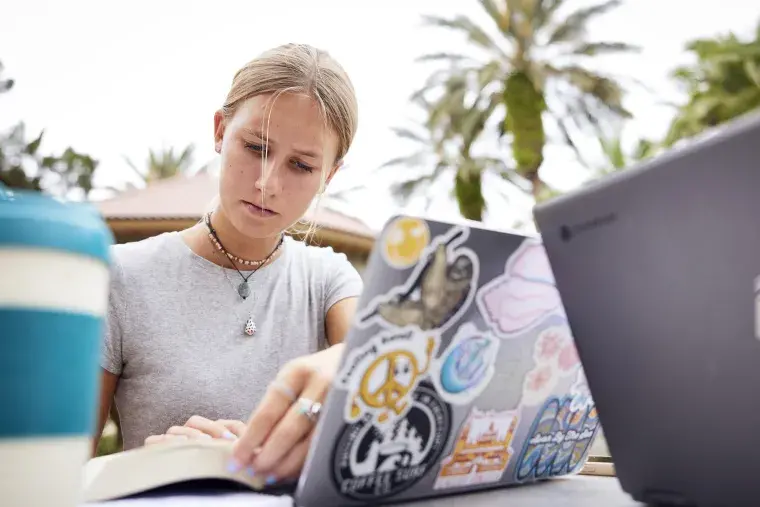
244, 290
250, 327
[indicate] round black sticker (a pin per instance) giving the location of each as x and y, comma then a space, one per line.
371, 462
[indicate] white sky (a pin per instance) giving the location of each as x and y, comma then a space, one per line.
113, 80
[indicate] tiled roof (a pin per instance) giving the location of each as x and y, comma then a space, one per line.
183, 197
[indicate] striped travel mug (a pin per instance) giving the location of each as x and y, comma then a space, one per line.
54, 276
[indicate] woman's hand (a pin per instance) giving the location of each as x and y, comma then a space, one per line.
198, 427
276, 440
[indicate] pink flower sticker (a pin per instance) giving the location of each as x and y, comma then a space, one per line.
568, 357
539, 378
548, 345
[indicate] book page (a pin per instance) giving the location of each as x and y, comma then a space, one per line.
220, 500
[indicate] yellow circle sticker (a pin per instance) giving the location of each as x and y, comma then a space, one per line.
405, 239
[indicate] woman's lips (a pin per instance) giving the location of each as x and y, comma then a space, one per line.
258, 211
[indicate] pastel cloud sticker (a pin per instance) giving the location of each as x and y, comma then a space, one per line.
524, 296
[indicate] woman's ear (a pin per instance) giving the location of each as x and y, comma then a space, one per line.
218, 131
332, 173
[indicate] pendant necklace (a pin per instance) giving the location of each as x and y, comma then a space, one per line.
244, 290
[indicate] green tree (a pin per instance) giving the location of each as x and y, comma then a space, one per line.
23, 166
535, 71
165, 163
722, 84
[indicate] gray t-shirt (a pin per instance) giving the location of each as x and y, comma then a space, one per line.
175, 329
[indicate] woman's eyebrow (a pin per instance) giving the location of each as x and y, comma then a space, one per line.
303, 152
259, 134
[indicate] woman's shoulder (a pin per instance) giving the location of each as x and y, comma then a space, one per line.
143, 255
315, 255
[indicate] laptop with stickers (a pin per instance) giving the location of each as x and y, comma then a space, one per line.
659, 269
460, 373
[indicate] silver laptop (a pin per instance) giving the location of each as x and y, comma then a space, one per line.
658, 268
460, 373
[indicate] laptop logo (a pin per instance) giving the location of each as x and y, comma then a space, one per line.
568, 232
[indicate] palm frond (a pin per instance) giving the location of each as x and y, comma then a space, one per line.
497, 14
544, 12
473, 32
405, 133
574, 25
600, 48
605, 90
449, 57
403, 191
412, 160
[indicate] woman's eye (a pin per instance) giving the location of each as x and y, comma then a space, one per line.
257, 148
303, 166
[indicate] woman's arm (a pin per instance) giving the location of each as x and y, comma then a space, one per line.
338, 320
107, 389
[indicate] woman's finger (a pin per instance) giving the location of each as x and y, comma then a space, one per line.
269, 412
237, 428
188, 432
292, 428
290, 466
209, 427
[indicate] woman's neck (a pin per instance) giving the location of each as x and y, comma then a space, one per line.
251, 249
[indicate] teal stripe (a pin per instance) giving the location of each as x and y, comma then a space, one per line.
49, 372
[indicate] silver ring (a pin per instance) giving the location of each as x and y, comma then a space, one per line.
308, 408
284, 390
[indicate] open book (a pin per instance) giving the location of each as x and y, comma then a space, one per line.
147, 468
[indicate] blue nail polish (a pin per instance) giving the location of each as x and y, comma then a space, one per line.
233, 466
250, 471
229, 435
271, 480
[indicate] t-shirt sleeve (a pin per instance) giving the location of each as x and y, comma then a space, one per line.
342, 280
111, 356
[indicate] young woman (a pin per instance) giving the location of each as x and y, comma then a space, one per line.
231, 318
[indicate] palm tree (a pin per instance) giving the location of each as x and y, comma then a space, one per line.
444, 148
165, 164
723, 84
534, 70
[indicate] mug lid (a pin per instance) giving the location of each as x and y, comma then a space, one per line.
33, 219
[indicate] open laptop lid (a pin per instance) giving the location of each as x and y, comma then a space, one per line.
658, 270
460, 373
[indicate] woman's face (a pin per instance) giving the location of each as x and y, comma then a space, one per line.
264, 195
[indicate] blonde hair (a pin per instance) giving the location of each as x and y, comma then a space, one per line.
300, 68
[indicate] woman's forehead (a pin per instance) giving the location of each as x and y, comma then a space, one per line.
288, 118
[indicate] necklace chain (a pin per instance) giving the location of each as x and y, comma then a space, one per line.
214, 237
243, 289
